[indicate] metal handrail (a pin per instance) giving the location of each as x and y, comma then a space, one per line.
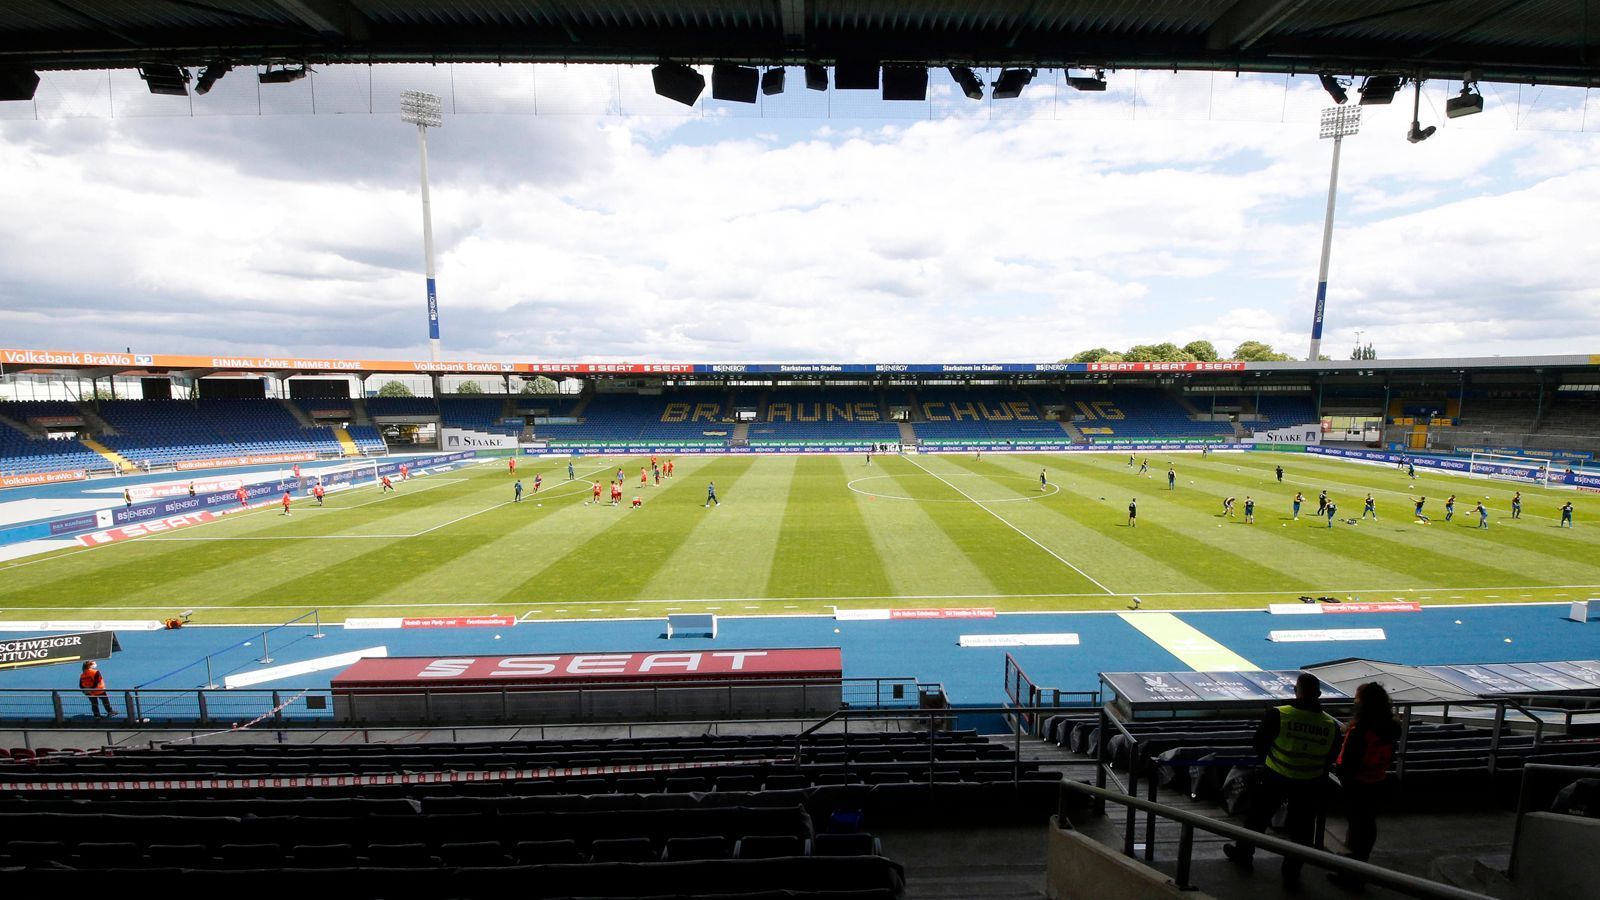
1522, 801
1410, 885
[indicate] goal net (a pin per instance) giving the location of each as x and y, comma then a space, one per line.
1523, 469
341, 477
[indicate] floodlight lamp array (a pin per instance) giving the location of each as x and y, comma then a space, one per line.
1340, 121
421, 108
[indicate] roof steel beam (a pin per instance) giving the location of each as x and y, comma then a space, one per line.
1247, 21
334, 18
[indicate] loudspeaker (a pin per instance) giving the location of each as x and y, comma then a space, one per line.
855, 75
735, 83
905, 83
18, 84
678, 82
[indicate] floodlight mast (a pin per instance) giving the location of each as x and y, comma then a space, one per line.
1337, 122
425, 111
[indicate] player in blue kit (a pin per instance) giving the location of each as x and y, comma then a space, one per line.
1368, 506
711, 494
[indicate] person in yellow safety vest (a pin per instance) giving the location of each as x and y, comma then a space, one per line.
1298, 743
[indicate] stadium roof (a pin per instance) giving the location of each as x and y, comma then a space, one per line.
1529, 41
100, 364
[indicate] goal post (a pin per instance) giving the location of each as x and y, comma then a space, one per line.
354, 474
1502, 467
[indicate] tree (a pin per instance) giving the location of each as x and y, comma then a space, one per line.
539, 384
1256, 351
394, 389
469, 387
1163, 352
1361, 352
1202, 351
1098, 354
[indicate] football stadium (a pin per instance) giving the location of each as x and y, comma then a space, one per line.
1161, 622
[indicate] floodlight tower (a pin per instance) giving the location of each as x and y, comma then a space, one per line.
425, 111
1337, 122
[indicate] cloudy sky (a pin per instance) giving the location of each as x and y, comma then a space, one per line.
1178, 209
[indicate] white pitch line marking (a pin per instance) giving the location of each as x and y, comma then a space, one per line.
1008, 524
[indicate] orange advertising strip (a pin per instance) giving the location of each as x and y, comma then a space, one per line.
10, 481
243, 460
48, 359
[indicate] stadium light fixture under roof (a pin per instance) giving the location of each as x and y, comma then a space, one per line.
1334, 88
1418, 134
421, 108
1087, 83
1469, 103
816, 77
1011, 82
18, 83
772, 81
284, 75
676, 81
969, 82
169, 80
1379, 90
210, 75
905, 83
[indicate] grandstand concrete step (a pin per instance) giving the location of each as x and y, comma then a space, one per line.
122, 463
583, 404
92, 420
347, 444
741, 433
300, 415
19, 426
1002, 863
1072, 431
908, 435
358, 411
1188, 407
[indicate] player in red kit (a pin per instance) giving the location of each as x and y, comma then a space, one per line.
537, 480
644, 477
405, 472
387, 484
616, 494
243, 495
596, 500
285, 502
511, 464
636, 501
317, 492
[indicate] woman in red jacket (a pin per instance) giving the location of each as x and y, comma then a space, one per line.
1363, 769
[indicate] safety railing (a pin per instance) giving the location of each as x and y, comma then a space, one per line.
1029, 701
320, 707
932, 720
1190, 822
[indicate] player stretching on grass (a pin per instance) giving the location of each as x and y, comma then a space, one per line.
1418, 511
1227, 507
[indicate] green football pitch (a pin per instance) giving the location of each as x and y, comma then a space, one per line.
803, 535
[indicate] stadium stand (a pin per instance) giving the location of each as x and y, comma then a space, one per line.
760, 813
475, 414
166, 432
1281, 410
1131, 414
982, 417
680, 417
22, 454
830, 417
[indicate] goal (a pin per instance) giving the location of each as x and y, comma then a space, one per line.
1522, 469
340, 477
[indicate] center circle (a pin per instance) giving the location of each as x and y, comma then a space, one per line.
944, 484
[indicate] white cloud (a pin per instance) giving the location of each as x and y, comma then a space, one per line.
954, 239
